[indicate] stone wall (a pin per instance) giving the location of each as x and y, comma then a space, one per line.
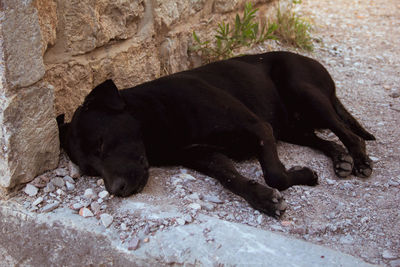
53, 52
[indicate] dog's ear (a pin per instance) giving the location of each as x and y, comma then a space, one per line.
60, 119
62, 129
105, 95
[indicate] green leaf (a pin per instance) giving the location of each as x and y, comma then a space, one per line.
195, 37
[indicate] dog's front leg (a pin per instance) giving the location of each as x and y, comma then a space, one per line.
219, 166
275, 173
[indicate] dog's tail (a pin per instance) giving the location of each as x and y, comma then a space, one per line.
351, 122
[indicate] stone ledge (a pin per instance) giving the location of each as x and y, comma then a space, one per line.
64, 238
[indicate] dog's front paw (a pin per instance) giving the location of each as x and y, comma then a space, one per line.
343, 165
266, 199
363, 168
302, 176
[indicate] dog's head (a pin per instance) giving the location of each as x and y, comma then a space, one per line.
104, 139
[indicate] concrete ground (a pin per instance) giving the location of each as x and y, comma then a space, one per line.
64, 238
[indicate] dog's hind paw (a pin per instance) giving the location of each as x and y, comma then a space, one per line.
363, 169
343, 165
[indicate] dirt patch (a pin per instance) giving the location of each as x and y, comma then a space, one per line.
359, 46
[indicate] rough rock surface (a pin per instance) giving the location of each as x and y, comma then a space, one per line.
22, 43
90, 24
48, 20
128, 41
28, 136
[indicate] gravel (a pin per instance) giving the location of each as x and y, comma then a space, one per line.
358, 44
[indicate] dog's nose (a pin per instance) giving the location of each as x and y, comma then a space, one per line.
118, 187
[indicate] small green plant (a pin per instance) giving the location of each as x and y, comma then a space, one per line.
245, 32
293, 29
286, 27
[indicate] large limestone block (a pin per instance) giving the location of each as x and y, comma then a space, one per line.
87, 24
222, 6
168, 12
171, 12
72, 82
140, 63
174, 53
47, 13
22, 43
28, 136
127, 66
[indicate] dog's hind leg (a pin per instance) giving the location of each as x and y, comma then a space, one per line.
350, 121
219, 166
319, 109
342, 161
275, 173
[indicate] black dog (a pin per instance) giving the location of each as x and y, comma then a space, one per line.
200, 118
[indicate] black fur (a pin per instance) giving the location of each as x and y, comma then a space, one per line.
200, 118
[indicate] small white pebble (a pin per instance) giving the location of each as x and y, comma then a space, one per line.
188, 218
58, 181
194, 196
49, 187
85, 212
69, 179
60, 192
106, 219
213, 198
195, 206
61, 172
31, 190
208, 206
89, 193
259, 219
374, 159
70, 186
133, 243
95, 207
50, 207
37, 201
387, 254
103, 194
187, 177
73, 170
330, 182
77, 206
180, 221
124, 227
100, 182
